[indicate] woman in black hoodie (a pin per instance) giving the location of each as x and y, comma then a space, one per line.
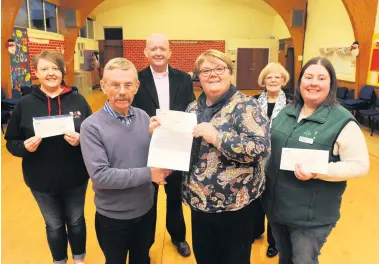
53, 167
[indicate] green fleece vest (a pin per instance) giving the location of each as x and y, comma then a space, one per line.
288, 200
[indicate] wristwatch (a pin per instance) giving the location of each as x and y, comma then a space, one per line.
218, 140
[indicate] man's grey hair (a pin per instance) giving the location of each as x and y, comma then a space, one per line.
122, 64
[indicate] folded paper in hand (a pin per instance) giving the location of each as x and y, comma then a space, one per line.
171, 143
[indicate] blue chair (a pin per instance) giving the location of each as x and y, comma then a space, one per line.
342, 93
25, 90
16, 94
9, 102
375, 123
350, 94
365, 100
369, 113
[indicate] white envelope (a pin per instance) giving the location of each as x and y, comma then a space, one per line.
49, 126
312, 160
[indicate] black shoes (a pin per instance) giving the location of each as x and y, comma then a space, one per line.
182, 247
271, 251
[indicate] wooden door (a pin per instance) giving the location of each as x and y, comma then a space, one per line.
109, 49
250, 62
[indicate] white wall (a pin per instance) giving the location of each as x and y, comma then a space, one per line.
324, 32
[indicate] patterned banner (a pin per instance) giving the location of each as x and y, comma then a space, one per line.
20, 69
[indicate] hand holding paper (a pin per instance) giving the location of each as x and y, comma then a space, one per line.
31, 144
159, 175
207, 131
311, 160
154, 123
303, 175
73, 138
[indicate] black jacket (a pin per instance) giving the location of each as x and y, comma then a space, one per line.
181, 91
55, 166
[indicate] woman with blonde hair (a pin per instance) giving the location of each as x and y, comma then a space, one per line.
273, 78
225, 178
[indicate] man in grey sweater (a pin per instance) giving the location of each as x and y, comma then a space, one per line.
115, 144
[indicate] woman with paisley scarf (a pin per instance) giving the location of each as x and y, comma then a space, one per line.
273, 77
226, 175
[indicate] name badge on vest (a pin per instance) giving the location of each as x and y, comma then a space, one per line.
306, 140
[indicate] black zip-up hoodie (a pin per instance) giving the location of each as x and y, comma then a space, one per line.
55, 166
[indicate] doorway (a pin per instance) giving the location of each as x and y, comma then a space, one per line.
113, 34
112, 46
290, 67
250, 62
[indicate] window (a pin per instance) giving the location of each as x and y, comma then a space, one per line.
90, 28
87, 30
83, 31
36, 14
51, 17
22, 19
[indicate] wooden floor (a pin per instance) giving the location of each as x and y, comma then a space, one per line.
355, 240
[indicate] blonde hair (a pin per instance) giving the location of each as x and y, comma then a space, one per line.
273, 67
122, 64
52, 56
213, 54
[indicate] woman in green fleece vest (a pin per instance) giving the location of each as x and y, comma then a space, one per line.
303, 207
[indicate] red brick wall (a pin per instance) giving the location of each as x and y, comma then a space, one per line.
183, 55
35, 48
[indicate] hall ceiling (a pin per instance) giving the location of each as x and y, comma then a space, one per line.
258, 5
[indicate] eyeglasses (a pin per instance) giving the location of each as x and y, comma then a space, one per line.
218, 71
117, 86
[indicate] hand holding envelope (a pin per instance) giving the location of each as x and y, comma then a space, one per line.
73, 138
31, 144
302, 174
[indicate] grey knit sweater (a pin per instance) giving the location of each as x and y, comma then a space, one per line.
116, 159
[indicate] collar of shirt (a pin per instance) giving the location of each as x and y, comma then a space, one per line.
159, 75
113, 113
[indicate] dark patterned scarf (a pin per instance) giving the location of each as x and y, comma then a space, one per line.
204, 114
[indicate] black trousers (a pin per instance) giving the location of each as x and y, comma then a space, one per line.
259, 222
174, 211
118, 237
223, 238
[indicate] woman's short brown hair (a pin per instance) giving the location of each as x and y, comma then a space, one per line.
215, 54
52, 56
273, 67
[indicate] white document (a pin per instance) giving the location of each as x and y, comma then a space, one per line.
49, 126
171, 143
315, 161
